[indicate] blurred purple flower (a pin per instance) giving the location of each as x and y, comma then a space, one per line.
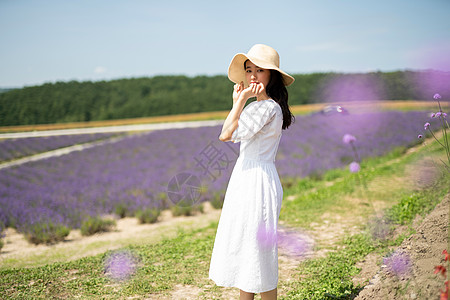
433, 115
120, 265
420, 136
398, 263
444, 115
426, 126
351, 88
294, 243
348, 138
266, 237
354, 167
437, 96
438, 114
379, 228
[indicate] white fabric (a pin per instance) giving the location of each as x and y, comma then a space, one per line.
252, 202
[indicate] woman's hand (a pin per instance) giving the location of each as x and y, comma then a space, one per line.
253, 90
238, 88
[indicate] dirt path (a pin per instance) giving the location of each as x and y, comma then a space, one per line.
59, 152
106, 129
17, 252
414, 277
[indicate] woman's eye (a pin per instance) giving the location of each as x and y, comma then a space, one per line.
248, 71
260, 70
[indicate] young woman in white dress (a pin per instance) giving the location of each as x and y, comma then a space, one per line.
245, 253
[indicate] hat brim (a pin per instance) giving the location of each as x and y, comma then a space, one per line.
236, 71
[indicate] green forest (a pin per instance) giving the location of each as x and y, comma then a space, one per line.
75, 101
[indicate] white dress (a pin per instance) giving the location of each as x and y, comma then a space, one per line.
245, 253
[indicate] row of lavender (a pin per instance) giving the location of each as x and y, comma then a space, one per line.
137, 170
16, 148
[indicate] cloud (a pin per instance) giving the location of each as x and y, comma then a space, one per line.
100, 70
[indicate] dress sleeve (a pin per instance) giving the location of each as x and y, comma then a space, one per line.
252, 119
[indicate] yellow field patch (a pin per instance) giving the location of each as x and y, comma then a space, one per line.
218, 115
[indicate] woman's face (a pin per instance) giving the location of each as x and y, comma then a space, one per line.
255, 74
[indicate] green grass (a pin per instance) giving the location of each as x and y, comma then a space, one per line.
184, 259
314, 197
161, 267
331, 277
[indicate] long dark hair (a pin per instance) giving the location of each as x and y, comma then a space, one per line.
277, 91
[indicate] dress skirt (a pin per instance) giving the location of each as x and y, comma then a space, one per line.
245, 253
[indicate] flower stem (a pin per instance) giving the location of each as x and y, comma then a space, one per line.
431, 131
447, 147
355, 152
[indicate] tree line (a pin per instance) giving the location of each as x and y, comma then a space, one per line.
75, 101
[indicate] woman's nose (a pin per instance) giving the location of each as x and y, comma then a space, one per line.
253, 77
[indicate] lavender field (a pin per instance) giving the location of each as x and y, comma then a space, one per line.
136, 171
16, 148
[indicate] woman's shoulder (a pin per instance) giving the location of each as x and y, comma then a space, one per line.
264, 107
265, 103
272, 104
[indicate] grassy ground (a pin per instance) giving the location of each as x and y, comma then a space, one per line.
319, 206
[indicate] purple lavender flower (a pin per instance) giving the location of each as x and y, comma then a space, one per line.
420, 136
398, 263
267, 237
294, 243
438, 114
135, 171
437, 96
426, 125
120, 265
348, 138
444, 115
433, 115
354, 167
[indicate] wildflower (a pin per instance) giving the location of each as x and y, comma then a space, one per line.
379, 228
444, 294
445, 140
266, 237
293, 243
348, 138
420, 136
440, 269
120, 265
398, 263
354, 167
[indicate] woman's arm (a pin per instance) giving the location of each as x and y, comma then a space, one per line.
231, 122
240, 97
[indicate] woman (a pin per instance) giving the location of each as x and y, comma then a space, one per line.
245, 253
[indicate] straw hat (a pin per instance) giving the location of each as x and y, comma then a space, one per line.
261, 55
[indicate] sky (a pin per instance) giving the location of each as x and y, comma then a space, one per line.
62, 40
